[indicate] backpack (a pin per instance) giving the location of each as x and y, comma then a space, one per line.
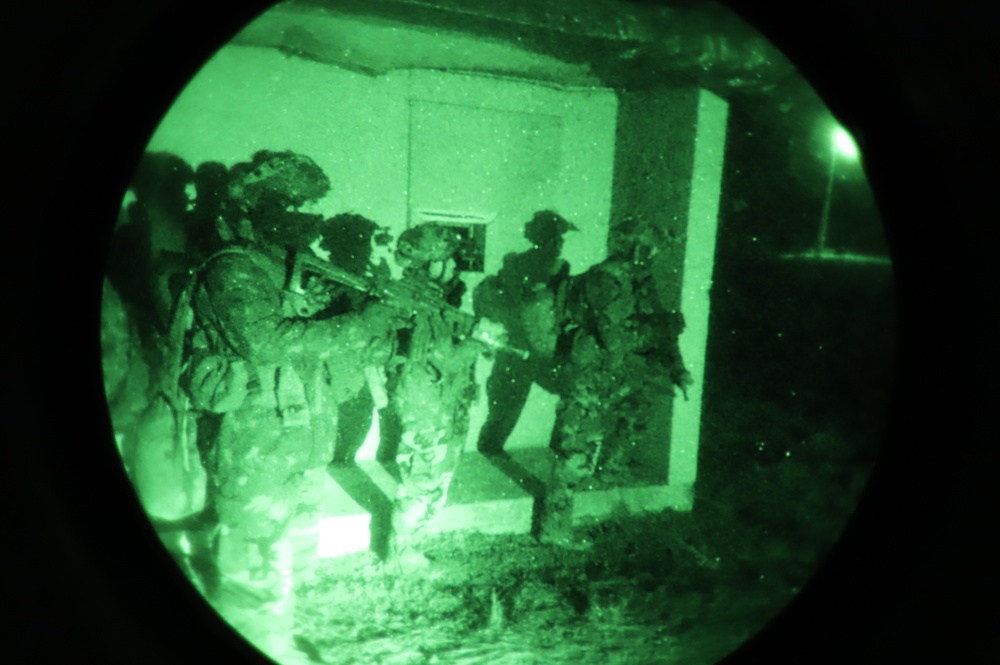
167, 468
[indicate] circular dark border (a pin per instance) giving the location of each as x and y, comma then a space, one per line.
90, 81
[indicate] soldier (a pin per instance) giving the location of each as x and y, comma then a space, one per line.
207, 232
349, 240
617, 358
432, 389
148, 246
264, 358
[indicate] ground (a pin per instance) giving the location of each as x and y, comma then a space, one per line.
795, 394
668, 588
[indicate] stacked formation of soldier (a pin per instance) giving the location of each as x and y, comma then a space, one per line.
261, 361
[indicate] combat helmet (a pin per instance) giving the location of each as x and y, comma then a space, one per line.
285, 178
547, 226
426, 244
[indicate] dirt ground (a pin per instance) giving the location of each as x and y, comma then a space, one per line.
796, 387
669, 588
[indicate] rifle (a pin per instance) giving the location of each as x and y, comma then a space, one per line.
407, 295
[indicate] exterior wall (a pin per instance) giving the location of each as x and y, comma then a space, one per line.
668, 171
354, 126
516, 147
505, 149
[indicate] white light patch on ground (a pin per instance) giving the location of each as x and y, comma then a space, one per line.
342, 535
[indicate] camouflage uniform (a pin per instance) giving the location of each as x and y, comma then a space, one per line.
277, 379
618, 357
431, 392
431, 397
587, 372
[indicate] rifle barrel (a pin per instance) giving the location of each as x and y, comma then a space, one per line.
398, 293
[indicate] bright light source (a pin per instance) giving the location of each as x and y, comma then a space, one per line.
844, 142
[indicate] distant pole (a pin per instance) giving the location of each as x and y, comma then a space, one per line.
824, 220
842, 143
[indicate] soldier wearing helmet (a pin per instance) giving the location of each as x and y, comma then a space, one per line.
618, 358
263, 357
431, 390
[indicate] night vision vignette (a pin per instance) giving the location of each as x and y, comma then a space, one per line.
436, 338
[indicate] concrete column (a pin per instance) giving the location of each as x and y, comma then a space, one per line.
668, 174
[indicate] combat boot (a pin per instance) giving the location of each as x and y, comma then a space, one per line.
556, 519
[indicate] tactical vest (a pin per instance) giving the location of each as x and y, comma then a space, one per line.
220, 379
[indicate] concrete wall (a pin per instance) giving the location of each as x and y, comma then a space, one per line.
505, 149
411, 140
247, 99
668, 172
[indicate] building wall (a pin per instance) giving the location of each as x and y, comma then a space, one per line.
668, 174
653, 173
248, 98
505, 149
409, 140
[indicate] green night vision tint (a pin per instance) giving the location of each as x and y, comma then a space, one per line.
458, 332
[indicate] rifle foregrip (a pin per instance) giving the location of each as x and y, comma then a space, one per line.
500, 346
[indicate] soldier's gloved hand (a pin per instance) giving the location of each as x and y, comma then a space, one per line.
314, 298
318, 294
381, 318
684, 380
493, 333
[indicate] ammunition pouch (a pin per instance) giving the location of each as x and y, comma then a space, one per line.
217, 383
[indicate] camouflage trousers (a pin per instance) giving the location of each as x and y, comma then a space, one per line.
434, 423
425, 477
267, 500
577, 441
